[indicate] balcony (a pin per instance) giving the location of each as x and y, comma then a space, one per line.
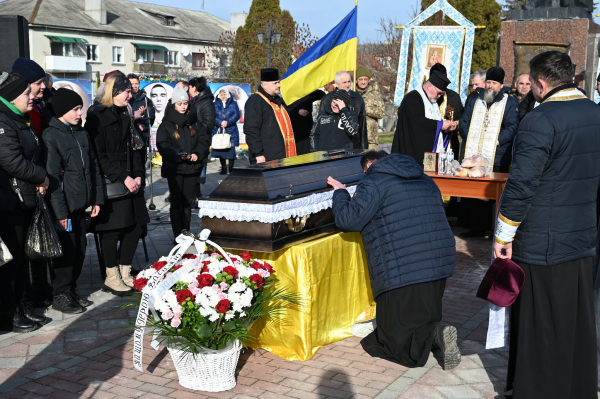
65, 64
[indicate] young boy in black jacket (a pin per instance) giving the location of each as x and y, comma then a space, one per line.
67, 148
336, 125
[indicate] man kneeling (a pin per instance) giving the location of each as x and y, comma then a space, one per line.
410, 252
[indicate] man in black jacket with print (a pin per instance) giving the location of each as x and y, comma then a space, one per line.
547, 223
335, 127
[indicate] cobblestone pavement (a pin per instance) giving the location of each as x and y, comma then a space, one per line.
90, 355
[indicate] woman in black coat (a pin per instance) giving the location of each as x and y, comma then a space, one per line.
183, 151
21, 174
122, 219
75, 184
202, 112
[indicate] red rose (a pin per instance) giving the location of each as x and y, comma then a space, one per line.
182, 295
256, 265
255, 278
232, 271
189, 256
139, 283
159, 265
245, 256
205, 280
205, 267
269, 268
177, 268
233, 259
223, 306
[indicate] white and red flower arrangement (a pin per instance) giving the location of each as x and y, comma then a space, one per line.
215, 303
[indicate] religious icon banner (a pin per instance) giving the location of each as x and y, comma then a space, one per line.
436, 44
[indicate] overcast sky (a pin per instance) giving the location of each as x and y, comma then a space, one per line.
320, 15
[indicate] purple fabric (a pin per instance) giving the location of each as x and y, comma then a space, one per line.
437, 135
502, 283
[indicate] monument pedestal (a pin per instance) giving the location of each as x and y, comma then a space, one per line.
523, 40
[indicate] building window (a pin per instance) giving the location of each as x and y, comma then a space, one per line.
118, 55
172, 58
169, 21
146, 55
198, 60
92, 52
61, 49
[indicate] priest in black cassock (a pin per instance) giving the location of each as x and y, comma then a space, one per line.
420, 126
451, 108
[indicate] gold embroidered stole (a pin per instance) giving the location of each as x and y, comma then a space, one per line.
285, 126
484, 129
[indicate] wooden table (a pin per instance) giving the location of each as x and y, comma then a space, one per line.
489, 187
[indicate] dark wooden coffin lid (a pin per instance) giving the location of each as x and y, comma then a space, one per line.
306, 174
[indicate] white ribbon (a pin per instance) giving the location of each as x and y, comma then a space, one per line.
155, 288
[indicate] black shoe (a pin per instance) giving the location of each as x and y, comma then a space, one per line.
26, 309
223, 170
22, 324
444, 338
82, 301
65, 303
40, 297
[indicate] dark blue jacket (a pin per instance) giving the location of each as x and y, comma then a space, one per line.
231, 114
508, 129
553, 183
399, 213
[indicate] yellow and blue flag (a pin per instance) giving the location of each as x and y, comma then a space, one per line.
336, 51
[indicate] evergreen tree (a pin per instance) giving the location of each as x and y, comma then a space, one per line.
481, 13
512, 5
249, 56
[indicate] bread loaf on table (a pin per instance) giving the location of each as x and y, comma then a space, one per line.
461, 172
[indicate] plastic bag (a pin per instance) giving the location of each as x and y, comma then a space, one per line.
478, 171
42, 239
475, 160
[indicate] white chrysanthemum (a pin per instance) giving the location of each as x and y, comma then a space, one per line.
188, 278
246, 271
214, 317
229, 315
238, 286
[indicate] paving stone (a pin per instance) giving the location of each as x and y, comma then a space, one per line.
418, 391
401, 384
459, 392
47, 349
115, 323
81, 335
489, 360
11, 362
475, 375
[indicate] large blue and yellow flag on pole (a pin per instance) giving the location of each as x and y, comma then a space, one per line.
336, 51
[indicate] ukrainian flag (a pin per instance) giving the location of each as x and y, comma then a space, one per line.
335, 52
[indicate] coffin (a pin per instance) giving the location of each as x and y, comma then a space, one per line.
273, 205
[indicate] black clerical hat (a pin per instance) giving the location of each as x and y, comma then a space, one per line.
269, 74
496, 74
439, 80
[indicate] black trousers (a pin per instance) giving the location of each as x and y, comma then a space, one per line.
129, 238
553, 334
181, 188
14, 276
406, 318
66, 270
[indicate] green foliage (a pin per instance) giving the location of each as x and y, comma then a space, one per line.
249, 56
481, 13
512, 5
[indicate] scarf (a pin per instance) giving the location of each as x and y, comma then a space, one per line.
285, 126
12, 107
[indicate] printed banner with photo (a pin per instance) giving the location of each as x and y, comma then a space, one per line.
83, 87
433, 45
240, 93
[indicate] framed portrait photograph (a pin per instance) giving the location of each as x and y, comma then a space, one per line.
435, 53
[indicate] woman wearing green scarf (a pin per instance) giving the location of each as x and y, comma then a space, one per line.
21, 174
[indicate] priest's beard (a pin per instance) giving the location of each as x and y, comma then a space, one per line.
489, 96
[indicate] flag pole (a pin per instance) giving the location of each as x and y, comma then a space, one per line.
356, 61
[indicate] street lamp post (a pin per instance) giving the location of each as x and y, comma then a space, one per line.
272, 36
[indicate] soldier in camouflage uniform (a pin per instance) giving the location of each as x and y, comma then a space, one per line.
374, 106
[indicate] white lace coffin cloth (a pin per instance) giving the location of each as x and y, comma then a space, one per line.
268, 213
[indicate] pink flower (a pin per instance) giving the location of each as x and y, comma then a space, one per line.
195, 290
177, 315
222, 296
168, 274
168, 315
263, 273
175, 323
215, 287
198, 268
237, 263
223, 286
214, 255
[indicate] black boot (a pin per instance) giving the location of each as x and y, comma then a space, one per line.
82, 301
21, 324
176, 222
26, 308
231, 163
65, 303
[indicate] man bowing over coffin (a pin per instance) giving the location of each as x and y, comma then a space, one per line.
420, 125
267, 125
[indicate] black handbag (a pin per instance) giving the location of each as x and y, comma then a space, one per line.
117, 189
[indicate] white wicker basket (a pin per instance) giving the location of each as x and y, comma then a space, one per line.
210, 371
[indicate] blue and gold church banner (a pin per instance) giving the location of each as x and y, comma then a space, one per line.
451, 46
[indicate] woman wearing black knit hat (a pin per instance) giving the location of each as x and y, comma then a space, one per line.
66, 146
121, 162
21, 174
